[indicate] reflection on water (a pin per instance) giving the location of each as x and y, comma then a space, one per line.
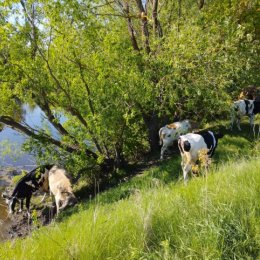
10, 149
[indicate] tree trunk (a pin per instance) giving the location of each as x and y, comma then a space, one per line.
145, 30
119, 157
152, 123
156, 24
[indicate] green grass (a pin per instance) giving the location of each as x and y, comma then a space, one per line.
155, 217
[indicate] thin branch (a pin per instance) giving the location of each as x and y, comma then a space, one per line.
77, 114
179, 15
44, 105
145, 30
24, 130
156, 24
131, 29
201, 4
43, 138
98, 6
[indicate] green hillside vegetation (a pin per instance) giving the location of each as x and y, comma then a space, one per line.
106, 76
155, 216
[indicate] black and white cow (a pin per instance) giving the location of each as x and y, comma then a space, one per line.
25, 187
191, 144
245, 107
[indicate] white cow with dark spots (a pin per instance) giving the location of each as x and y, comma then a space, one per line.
245, 107
191, 144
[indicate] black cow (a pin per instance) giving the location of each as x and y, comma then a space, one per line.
25, 187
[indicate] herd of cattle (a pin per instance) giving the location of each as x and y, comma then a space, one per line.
53, 179
46, 178
191, 144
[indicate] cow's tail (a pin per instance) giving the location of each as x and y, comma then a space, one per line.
184, 145
180, 145
160, 136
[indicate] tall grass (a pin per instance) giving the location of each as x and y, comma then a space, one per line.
217, 217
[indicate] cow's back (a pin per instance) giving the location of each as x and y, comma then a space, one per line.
58, 180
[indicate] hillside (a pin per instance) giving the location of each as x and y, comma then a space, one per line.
154, 216
105, 76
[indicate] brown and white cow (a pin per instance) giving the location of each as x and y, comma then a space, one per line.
170, 133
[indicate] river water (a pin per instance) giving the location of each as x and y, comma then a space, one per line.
12, 156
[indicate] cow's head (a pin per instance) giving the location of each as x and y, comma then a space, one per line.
68, 199
218, 135
10, 201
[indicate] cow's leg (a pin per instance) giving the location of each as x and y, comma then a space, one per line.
251, 120
238, 124
44, 197
254, 130
27, 202
163, 149
12, 203
21, 205
57, 201
232, 120
186, 168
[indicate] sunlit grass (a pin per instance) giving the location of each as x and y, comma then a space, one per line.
213, 218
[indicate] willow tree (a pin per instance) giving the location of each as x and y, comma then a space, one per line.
118, 70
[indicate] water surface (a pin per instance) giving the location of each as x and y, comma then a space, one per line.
12, 156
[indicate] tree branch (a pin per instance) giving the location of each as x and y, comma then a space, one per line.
201, 4
44, 105
76, 113
131, 28
145, 30
42, 138
156, 24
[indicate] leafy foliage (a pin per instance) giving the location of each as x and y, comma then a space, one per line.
118, 71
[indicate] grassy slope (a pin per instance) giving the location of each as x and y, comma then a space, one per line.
154, 216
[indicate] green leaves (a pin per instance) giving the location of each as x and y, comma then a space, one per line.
77, 59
